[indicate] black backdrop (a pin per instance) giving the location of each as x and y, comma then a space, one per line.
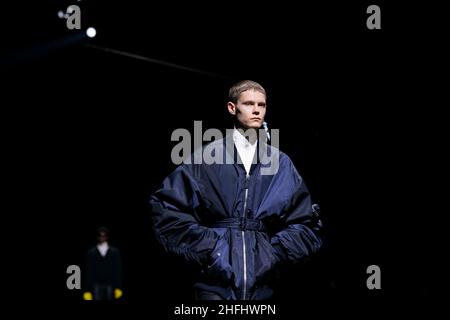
88, 136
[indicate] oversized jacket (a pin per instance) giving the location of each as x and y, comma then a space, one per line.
236, 227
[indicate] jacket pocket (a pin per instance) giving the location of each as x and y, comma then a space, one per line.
265, 260
218, 268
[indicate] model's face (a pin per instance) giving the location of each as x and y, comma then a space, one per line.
250, 109
102, 237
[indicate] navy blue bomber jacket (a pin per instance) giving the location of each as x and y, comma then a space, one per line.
236, 227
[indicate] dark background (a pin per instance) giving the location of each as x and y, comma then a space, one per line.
87, 137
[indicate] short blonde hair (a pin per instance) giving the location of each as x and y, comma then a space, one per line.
238, 88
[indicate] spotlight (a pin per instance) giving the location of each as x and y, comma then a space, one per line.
91, 32
60, 14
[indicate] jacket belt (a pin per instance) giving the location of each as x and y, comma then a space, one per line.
241, 224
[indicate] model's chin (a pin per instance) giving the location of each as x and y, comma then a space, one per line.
253, 125
256, 124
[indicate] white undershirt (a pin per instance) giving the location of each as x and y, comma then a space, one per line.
103, 248
245, 148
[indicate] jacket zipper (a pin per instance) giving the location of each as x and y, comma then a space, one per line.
243, 238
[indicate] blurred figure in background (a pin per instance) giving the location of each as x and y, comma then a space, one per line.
103, 270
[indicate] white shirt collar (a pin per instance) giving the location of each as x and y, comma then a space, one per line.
245, 148
240, 139
103, 248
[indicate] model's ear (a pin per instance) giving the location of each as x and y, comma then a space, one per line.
231, 108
